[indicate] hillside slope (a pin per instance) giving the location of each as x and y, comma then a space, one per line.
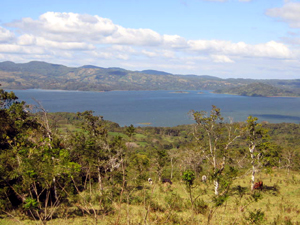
257, 90
52, 76
44, 75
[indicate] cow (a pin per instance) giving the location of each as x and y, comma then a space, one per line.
258, 185
165, 180
150, 181
204, 178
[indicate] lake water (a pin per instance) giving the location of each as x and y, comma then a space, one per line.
163, 108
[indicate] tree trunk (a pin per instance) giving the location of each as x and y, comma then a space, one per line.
172, 168
216, 184
253, 166
55, 190
100, 180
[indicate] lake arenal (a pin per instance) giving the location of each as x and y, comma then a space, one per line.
163, 108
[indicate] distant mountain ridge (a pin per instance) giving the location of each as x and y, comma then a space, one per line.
155, 72
45, 75
257, 90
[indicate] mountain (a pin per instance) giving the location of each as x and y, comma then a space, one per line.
45, 75
91, 67
204, 77
53, 76
257, 90
155, 72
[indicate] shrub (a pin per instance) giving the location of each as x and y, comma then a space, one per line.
175, 202
200, 207
255, 217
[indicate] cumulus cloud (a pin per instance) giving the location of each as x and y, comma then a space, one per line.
221, 59
76, 27
71, 37
289, 13
6, 35
71, 31
17, 49
174, 41
149, 53
270, 49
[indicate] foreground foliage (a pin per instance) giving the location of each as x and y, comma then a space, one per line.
78, 168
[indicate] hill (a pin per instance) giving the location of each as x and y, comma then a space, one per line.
45, 75
257, 90
91, 78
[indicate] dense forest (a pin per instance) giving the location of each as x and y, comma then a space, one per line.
78, 168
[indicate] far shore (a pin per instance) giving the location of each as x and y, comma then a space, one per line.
258, 96
174, 92
144, 123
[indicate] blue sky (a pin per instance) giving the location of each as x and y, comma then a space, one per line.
225, 38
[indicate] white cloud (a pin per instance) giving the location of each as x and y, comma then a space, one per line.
289, 13
71, 31
133, 36
270, 49
122, 48
174, 41
6, 35
221, 59
74, 39
148, 53
17, 49
74, 27
27, 39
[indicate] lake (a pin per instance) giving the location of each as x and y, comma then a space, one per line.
163, 108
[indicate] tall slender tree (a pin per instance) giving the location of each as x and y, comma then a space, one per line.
214, 137
257, 137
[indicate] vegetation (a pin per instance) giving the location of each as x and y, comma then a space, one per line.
44, 75
258, 90
68, 168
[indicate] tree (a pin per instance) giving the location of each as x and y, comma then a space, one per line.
214, 138
30, 164
189, 177
257, 138
160, 160
130, 131
140, 162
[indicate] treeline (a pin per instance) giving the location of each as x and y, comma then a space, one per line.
57, 165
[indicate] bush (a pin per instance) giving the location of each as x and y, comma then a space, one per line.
255, 217
219, 200
200, 207
175, 202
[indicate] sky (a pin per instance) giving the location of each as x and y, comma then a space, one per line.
258, 39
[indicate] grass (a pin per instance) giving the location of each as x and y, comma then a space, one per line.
115, 134
160, 204
140, 136
142, 143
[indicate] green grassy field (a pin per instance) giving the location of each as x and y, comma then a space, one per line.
277, 203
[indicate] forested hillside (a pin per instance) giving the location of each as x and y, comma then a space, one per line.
258, 90
42, 75
77, 168
91, 78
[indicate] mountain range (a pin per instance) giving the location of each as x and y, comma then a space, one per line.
43, 75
